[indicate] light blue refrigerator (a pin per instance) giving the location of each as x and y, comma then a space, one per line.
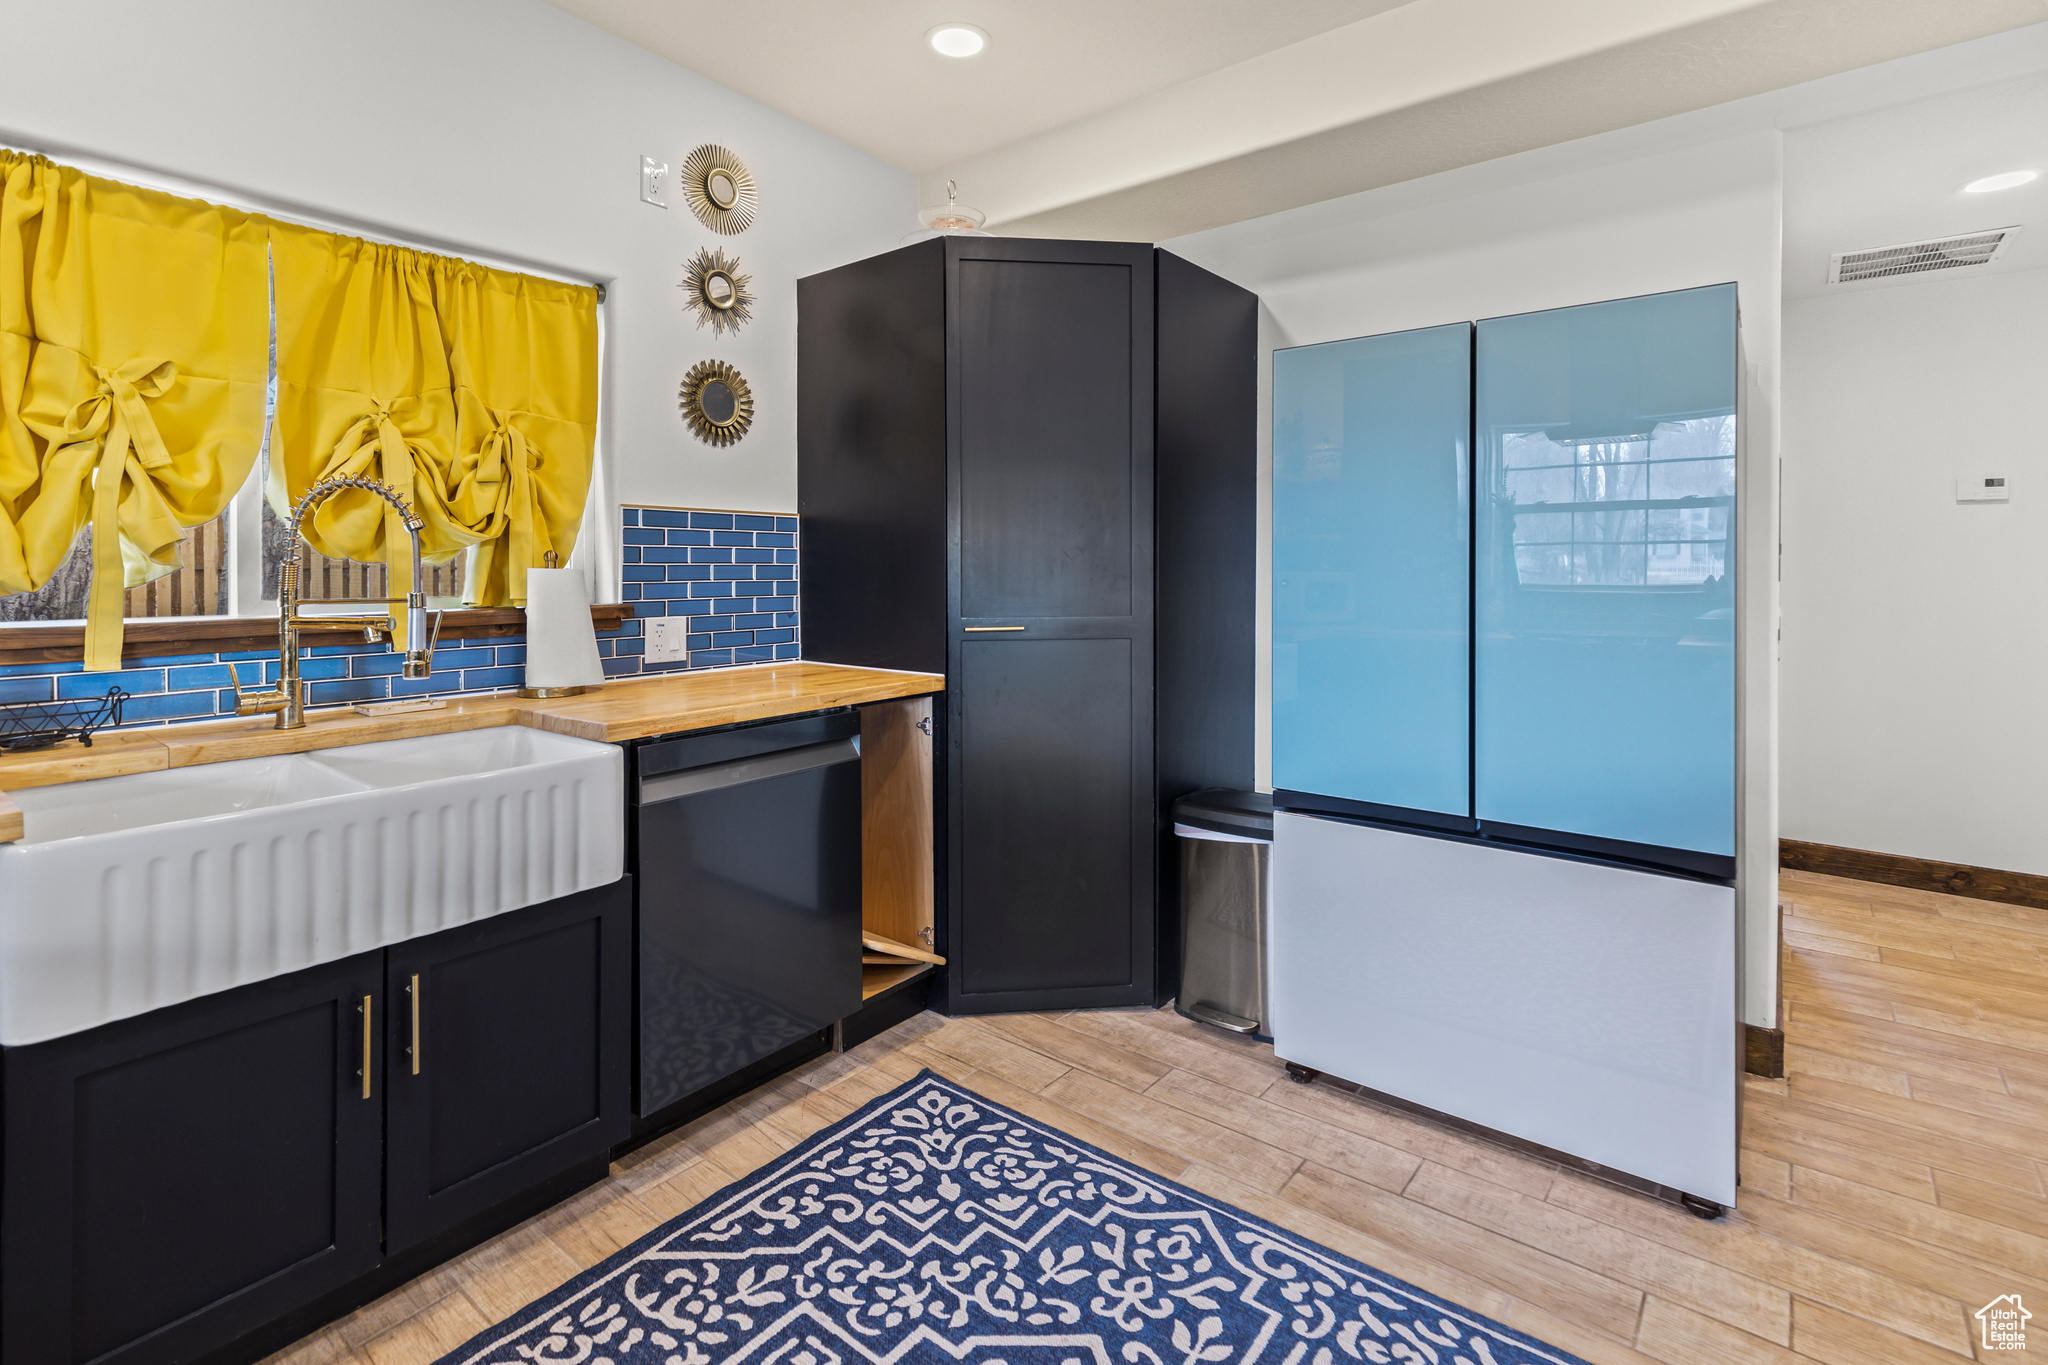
1504, 726
1372, 574
1604, 675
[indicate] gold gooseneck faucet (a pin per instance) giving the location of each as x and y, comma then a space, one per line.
288, 698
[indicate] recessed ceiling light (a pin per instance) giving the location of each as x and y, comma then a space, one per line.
2009, 181
957, 40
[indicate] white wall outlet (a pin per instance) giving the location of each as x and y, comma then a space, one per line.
1983, 488
667, 640
653, 182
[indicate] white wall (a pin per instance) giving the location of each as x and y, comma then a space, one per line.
502, 127
1916, 628
1666, 206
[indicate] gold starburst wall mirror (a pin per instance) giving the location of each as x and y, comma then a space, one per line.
720, 189
716, 290
716, 402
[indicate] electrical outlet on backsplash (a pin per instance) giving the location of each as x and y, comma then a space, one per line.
723, 585
726, 582
667, 640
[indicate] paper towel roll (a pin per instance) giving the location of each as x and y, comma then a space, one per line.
561, 642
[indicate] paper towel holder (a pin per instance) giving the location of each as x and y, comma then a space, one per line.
551, 560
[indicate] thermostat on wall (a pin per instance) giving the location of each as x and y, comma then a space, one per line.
1983, 488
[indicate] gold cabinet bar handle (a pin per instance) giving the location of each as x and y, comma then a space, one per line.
414, 991
974, 628
366, 1047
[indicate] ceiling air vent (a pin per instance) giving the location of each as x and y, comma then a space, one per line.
1917, 258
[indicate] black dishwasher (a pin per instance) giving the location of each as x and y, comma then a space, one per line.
747, 845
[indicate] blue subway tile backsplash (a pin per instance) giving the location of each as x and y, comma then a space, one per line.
732, 573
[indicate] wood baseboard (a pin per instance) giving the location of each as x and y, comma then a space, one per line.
1763, 1051
1893, 869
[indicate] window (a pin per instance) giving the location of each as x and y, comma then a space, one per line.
205, 585
225, 573
229, 566
198, 589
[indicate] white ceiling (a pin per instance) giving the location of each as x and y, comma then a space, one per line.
1895, 175
1149, 119
864, 73
1535, 75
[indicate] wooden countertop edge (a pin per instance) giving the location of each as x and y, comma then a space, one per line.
625, 709
111, 755
585, 718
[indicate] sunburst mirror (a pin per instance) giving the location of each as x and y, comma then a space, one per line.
720, 189
717, 291
716, 402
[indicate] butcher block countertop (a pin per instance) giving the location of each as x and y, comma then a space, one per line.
629, 708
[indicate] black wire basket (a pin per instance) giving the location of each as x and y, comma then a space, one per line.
39, 724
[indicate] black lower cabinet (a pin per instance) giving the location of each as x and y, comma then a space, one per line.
505, 1065
1054, 825
176, 1179
191, 1184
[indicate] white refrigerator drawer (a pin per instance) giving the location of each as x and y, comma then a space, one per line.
1584, 1007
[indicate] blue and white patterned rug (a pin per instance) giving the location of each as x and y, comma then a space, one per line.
935, 1226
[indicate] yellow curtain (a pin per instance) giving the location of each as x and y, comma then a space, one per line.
363, 391
471, 392
132, 373
523, 355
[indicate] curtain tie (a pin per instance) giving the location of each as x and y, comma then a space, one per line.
375, 446
506, 451
125, 499
121, 393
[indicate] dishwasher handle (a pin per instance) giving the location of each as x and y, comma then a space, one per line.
711, 777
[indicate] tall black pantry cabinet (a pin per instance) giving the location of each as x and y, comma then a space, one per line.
976, 479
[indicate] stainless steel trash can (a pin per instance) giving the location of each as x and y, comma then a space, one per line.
1226, 854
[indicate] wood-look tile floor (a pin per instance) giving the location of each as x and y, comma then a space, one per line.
1892, 1183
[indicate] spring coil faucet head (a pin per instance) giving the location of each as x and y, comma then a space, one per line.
419, 656
287, 701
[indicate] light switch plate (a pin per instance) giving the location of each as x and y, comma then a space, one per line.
1983, 488
667, 642
653, 182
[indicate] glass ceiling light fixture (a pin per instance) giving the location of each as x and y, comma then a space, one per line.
957, 40
950, 219
2010, 180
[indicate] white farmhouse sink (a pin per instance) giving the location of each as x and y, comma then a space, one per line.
130, 893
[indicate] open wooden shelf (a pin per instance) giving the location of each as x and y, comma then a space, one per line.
876, 979
906, 952
898, 892
141, 639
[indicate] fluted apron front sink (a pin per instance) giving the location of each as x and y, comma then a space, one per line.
130, 893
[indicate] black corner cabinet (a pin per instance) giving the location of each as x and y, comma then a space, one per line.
210, 1179
991, 484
